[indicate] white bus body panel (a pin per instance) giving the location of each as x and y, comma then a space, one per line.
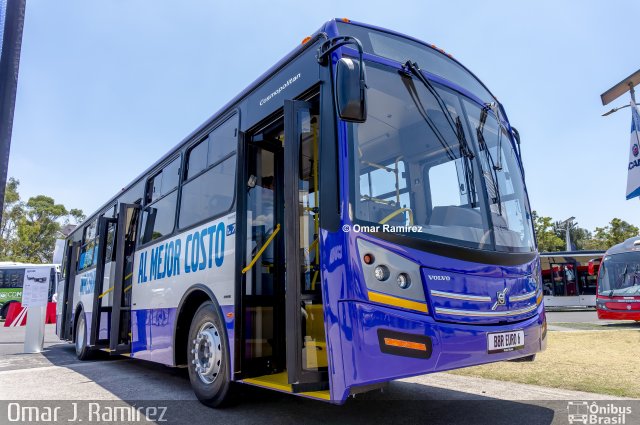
209, 246
570, 301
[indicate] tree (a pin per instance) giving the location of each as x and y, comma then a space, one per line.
31, 229
580, 237
77, 215
546, 236
12, 212
616, 232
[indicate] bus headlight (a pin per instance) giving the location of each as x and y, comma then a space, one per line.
404, 281
391, 278
381, 272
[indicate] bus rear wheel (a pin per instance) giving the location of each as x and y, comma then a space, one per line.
208, 357
82, 351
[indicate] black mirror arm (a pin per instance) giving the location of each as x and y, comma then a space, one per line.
332, 44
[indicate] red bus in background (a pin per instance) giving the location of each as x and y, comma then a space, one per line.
569, 279
618, 295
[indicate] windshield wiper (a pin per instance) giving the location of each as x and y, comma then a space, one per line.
434, 128
412, 68
496, 111
490, 161
468, 167
624, 276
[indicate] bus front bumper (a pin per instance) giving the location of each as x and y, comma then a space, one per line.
384, 343
618, 315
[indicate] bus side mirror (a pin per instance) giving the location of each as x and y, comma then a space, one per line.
351, 90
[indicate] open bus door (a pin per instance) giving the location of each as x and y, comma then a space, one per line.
120, 285
106, 228
66, 297
305, 333
110, 322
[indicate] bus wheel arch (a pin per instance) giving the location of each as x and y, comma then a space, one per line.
191, 301
5, 308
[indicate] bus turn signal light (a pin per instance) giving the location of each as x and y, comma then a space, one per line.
306, 39
368, 259
405, 344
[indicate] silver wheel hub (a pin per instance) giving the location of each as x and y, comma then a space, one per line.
207, 353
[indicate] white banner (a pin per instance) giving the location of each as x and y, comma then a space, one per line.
633, 177
35, 290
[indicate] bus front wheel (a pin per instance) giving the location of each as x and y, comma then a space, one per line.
208, 357
82, 351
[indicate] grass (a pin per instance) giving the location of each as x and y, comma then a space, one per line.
591, 361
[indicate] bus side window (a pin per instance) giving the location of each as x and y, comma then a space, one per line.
158, 216
110, 253
89, 248
210, 193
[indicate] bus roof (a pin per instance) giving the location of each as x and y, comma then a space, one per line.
16, 265
571, 253
631, 244
224, 109
328, 27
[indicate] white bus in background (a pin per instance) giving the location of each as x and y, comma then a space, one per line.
570, 278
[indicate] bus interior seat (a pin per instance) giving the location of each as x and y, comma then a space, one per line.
376, 211
452, 215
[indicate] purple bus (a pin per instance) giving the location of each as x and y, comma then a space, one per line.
356, 215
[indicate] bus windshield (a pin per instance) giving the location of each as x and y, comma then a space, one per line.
620, 274
449, 176
402, 49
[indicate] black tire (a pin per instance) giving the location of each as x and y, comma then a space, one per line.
208, 357
82, 351
4, 310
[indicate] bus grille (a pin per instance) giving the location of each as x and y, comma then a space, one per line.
474, 299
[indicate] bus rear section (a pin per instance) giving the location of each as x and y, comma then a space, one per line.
619, 282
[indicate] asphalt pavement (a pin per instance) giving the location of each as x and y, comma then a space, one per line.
56, 374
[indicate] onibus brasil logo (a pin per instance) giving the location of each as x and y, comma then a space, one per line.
583, 412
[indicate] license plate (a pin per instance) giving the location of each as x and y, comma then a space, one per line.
502, 342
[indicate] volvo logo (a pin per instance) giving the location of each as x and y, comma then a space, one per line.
501, 298
438, 277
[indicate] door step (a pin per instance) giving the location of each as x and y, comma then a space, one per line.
279, 382
121, 350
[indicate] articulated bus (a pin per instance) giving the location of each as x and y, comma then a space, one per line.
619, 282
13, 276
569, 278
330, 229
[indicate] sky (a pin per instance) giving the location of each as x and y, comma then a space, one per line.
107, 87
